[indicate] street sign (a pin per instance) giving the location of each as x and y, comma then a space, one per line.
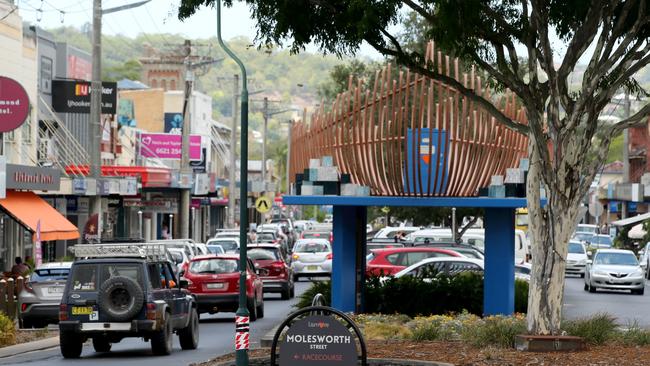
595, 209
263, 204
385, 209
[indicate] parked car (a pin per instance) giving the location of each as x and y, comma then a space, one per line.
370, 246
40, 299
463, 249
522, 271
276, 274
178, 257
117, 291
587, 228
594, 240
644, 260
227, 233
451, 266
316, 234
382, 262
188, 245
214, 282
576, 260
390, 231
311, 257
229, 245
614, 269
216, 249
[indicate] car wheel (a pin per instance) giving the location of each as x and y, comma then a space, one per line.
252, 310
189, 336
260, 311
71, 344
296, 278
582, 275
292, 292
592, 289
638, 292
101, 345
27, 323
286, 293
161, 341
586, 288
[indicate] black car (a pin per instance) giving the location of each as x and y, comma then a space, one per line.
116, 291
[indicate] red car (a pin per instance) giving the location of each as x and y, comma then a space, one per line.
214, 281
276, 274
383, 262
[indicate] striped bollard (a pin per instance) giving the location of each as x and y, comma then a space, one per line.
241, 333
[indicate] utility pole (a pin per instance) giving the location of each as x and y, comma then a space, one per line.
289, 158
626, 152
266, 122
94, 137
185, 146
232, 197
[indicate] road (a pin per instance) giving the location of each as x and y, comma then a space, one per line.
217, 338
621, 304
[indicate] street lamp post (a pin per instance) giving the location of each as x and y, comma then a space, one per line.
241, 322
140, 224
171, 226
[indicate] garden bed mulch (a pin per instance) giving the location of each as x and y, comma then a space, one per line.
460, 354
24, 336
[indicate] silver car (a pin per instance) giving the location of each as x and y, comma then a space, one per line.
39, 301
614, 269
311, 258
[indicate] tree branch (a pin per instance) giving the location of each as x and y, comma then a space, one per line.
419, 9
582, 39
637, 119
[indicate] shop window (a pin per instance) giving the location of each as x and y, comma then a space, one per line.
163, 84
172, 85
154, 83
27, 130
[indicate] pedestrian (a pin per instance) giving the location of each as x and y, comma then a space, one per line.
20, 268
165, 232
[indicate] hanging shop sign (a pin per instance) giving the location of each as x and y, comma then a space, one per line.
69, 96
201, 184
157, 205
33, 178
168, 146
14, 104
128, 187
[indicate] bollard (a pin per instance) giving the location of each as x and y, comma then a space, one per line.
3, 296
20, 285
11, 299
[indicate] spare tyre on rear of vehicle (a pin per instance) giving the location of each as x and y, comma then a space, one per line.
120, 298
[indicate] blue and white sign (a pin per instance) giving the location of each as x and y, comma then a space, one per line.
431, 149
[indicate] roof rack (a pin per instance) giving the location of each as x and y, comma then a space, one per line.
147, 251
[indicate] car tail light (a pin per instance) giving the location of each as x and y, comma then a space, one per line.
151, 311
329, 256
23, 307
28, 287
63, 312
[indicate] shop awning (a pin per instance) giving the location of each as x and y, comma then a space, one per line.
632, 220
28, 208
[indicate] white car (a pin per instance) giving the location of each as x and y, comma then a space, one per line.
229, 244
311, 258
442, 265
522, 271
576, 260
391, 231
644, 260
615, 269
586, 228
178, 257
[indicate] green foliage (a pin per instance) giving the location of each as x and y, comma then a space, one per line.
7, 331
615, 149
414, 296
317, 287
130, 69
594, 330
499, 331
635, 335
339, 78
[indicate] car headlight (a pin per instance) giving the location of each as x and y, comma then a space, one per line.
601, 273
638, 272
582, 261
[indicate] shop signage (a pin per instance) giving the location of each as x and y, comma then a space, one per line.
174, 123
71, 205
3, 176
69, 96
128, 187
318, 340
198, 166
103, 187
626, 192
79, 185
168, 146
14, 104
201, 184
158, 205
83, 205
115, 202
33, 178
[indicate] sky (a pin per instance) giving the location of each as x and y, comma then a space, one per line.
157, 16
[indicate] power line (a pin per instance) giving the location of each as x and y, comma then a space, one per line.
9, 13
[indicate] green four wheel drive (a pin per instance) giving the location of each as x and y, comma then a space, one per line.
115, 291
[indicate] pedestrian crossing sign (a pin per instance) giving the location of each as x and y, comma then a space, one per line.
263, 204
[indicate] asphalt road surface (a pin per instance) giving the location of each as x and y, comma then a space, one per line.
622, 305
217, 338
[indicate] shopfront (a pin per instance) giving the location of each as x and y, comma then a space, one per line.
24, 213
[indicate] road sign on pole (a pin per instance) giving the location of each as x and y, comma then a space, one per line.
596, 209
263, 204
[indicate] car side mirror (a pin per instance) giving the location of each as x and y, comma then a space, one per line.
643, 265
183, 283
589, 261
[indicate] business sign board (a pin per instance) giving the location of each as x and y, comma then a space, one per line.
69, 96
126, 113
14, 104
168, 146
427, 153
318, 340
33, 178
174, 123
157, 205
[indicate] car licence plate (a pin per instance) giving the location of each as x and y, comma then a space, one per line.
55, 290
82, 310
312, 268
214, 285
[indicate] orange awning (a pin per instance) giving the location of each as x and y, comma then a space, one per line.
28, 208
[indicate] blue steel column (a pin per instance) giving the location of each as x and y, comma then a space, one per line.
499, 282
346, 222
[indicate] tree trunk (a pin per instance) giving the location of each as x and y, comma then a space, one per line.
550, 227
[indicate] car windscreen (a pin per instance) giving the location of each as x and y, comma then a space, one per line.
216, 249
265, 237
619, 259
214, 266
576, 248
227, 245
584, 236
311, 248
602, 240
265, 254
49, 274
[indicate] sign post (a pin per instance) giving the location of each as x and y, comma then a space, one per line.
38, 251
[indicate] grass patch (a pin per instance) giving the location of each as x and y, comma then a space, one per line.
595, 330
496, 331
